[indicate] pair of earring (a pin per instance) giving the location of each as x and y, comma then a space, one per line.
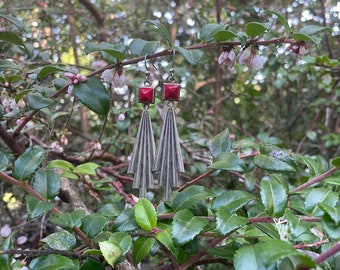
166, 161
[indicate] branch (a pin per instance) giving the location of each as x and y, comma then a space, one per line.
195, 180
328, 253
315, 180
11, 142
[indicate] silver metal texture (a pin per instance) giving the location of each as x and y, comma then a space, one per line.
169, 160
143, 155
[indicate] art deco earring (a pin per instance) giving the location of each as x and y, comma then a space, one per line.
169, 161
143, 153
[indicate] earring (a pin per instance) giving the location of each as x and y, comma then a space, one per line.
169, 161
143, 153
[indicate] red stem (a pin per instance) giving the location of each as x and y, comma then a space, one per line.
328, 253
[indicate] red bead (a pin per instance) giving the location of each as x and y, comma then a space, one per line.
171, 91
146, 95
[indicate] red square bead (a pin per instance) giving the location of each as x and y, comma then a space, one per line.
146, 95
171, 91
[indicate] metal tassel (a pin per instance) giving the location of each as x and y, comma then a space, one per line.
143, 155
169, 161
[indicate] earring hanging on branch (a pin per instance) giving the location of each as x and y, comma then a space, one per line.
143, 153
169, 161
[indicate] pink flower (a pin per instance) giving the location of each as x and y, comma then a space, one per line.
250, 57
227, 57
298, 48
74, 79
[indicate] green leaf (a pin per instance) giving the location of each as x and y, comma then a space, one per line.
302, 37
145, 214
92, 264
43, 72
254, 29
11, 37
6, 64
115, 50
60, 164
162, 29
37, 101
268, 229
227, 222
93, 94
224, 35
54, 262
190, 197
332, 211
313, 165
232, 200
209, 30
60, 240
36, 208
126, 221
273, 197
274, 164
14, 21
229, 162
317, 196
165, 238
111, 251
123, 240
46, 183
86, 168
296, 225
283, 21
313, 29
336, 162
141, 248
69, 219
3, 161
226, 251
140, 47
248, 257
93, 224
192, 56
220, 143
27, 164
330, 227
186, 226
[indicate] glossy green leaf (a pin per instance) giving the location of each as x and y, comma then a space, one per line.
274, 164
27, 164
313, 165
140, 47
283, 21
165, 238
37, 101
209, 30
36, 208
145, 214
248, 257
296, 225
232, 200
330, 227
47, 70
60, 240
93, 224
224, 35
273, 197
123, 239
92, 264
54, 262
303, 37
3, 161
336, 162
226, 251
46, 183
313, 29
269, 229
68, 219
332, 211
6, 64
229, 162
186, 226
111, 251
19, 24
60, 164
192, 56
93, 94
227, 222
317, 196
126, 222
11, 37
254, 29
220, 143
162, 29
141, 248
190, 197
114, 50
86, 168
